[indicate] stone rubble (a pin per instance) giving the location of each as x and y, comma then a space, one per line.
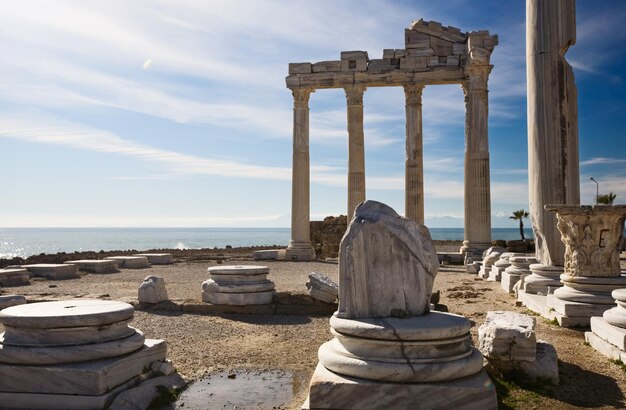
323, 288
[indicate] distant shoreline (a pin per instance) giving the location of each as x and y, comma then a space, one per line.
179, 254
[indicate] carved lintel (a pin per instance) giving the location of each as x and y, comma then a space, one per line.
354, 94
413, 94
301, 96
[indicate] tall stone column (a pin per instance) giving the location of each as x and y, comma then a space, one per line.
553, 170
356, 147
477, 233
414, 166
300, 247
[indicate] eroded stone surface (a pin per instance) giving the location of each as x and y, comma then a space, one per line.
507, 336
7, 301
95, 265
130, 262
53, 270
152, 290
14, 277
322, 287
158, 258
386, 263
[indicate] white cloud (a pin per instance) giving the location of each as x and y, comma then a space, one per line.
602, 161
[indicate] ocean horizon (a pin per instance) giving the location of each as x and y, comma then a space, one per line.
24, 242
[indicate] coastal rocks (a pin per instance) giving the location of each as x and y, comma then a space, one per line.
158, 258
508, 341
389, 350
238, 285
323, 288
54, 271
95, 265
14, 277
72, 354
7, 301
130, 262
152, 290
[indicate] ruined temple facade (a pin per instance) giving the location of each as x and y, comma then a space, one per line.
433, 54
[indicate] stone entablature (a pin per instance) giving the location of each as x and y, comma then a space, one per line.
433, 54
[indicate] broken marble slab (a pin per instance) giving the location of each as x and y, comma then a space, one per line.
508, 336
152, 290
53, 271
322, 287
130, 262
6, 301
95, 265
14, 277
158, 258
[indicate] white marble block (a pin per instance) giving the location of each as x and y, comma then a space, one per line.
95, 265
158, 258
322, 287
11, 300
53, 271
130, 262
152, 290
266, 255
14, 277
508, 336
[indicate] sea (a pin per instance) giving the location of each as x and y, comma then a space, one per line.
24, 242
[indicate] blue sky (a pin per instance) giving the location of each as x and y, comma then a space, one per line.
175, 113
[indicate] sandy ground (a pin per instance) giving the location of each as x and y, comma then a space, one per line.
198, 345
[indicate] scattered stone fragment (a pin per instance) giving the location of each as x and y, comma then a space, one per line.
507, 336
152, 290
130, 262
158, 258
323, 288
11, 300
14, 277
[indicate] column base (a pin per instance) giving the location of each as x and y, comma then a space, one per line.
299, 251
474, 249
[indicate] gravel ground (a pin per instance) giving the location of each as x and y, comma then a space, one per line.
198, 345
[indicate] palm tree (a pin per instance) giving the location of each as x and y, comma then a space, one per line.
606, 199
519, 215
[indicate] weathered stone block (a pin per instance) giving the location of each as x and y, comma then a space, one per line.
411, 62
53, 271
508, 336
11, 300
458, 49
441, 47
326, 66
14, 277
158, 258
323, 288
152, 290
300, 68
425, 51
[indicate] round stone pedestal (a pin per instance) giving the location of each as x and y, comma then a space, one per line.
238, 285
429, 348
592, 290
67, 332
617, 315
542, 278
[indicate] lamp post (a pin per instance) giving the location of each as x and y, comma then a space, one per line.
597, 189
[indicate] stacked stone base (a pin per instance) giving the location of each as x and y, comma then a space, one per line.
419, 362
536, 303
238, 285
329, 390
608, 333
544, 279
582, 297
299, 252
72, 354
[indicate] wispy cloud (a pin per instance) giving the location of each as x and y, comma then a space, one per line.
603, 161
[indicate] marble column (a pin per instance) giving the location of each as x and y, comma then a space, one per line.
553, 170
356, 147
477, 234
300, 247
414, 176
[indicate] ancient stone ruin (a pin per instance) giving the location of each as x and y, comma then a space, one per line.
433, 54
74, 354
389, 349
238, 285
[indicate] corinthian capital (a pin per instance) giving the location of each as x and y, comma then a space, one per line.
413, 94
354, 94
301, 96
